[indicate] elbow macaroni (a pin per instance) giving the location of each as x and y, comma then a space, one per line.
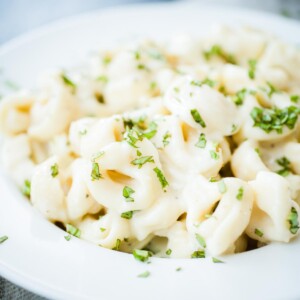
187, 149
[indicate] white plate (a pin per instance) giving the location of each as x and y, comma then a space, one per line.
36, 255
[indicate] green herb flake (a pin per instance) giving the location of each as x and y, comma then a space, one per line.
67, 237
153, 85
252, 68
240, 194
168, 252
166, 138
141, 255
217, 261
54, 170
97, 155
67, 81
214, 155
142, 160
3, 239
293, 220
206, 81
127, 215
162, 179
95, 174
198, 254
144, 274
151, 131
275, 118
197, 117
138, 153
102, 229
217, 50
178, 269
26, 190
201, 142
222, 187
239, 97
73, 230
295, 98
286, 166
258, 232
127, 192
102, 78
200, 240
117, 246
271, 89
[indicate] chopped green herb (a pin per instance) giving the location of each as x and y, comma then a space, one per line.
239, 97
142, 67
137, 55
257, 151
166, 138
206, 81
95, 174
141, 255
176, 89
106, 60
214, 154
201, 142
68, 81
142, 160
132, 136
153, 85
234, 128
155, 54
144, 275
67, 237
162, 179
102, 229
168, 252
240, 194
293, 220
3, 239
286, 166
151, 131
295, 98
178, 269
252, 68
26, 190
102, 78
213, 179
97, 155
258, 232
217, 50
127, 215
198, 254
222, 187
200, 240
127, 192
73, 230
271, 89
118, 245
54, 170
138, 153
217, 261
197, 117
275, 118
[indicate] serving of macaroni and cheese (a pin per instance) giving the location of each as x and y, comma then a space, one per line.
185, 148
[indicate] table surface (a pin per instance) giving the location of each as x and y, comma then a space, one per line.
19, 16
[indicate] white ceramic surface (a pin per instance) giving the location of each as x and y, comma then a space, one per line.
36, 255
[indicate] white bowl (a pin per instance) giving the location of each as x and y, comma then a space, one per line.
37, 257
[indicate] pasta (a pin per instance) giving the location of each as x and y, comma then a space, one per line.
182, 149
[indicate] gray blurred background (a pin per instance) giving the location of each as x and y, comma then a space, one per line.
20, 16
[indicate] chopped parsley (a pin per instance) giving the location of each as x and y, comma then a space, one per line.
252, 68
151, 131
118, 245
271, 89
275, 118
201, 142
73, 230
67, 81
97, 155
166, 138
127, 215
258, 232
141, 255
240, 194
217, 261
54, 170
222, 187
67, 237
198, 254
153, 85
26, 190
102, 78
162, 179
142, 160
132, 136
3, 239
239, 97
197, 117
200, 240
95, 174
144, 274
178, 269
214, 155
295, 98
138, 153
127, 192
168, 252
286, 166
206, 81
293, 220
102, 229
217, 50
